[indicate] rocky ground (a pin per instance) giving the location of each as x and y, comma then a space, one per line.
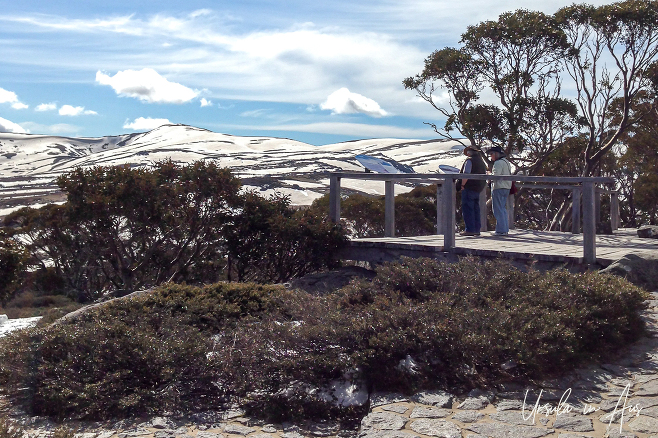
616, 399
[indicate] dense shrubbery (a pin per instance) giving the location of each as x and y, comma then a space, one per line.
277, 351
12, 261
125, 229
415, 213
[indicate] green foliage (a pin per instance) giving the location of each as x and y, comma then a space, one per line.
125, 229
270, 242
363, 216
12, 265
275, 351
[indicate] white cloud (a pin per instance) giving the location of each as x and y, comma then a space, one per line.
8, 126
145, 123
361, 130
46, 107
69, 110
7, 96
146, 85
58, 128
343, 101
11, 97
205, 102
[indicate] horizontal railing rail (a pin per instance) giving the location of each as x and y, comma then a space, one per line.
446, 194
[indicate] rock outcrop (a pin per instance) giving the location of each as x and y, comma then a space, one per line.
648, 232
640, 269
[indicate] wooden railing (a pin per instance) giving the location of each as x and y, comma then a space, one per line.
446, 193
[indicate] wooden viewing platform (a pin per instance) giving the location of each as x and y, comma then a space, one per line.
520, 245
584, 249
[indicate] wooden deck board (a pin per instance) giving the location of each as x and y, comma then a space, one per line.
520, 244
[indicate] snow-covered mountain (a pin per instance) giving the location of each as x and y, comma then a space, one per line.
29, 164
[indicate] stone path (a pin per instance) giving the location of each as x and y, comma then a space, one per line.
617, 399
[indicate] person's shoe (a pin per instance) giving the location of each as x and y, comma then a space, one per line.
496, 233
468, 233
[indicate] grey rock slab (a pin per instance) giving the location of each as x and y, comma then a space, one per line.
647, 389
387, 434
292, 434
614, 433
589, 397
232, 413
323, 429
162, 423
509, 405
437, 428
259, 435
204, 434
482, 393
502, 430
573, 435
590, 385
618, 370
383, 421
468, 416
642, 402
134, 433
400, 409
269, 428
643, 378
434, 398
166, 433
474, 403
238, 429
609, 405
573, 422
650, 412
643, 424
514, 417
429, 412
382, 398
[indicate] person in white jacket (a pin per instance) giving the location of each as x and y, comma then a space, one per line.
500, 190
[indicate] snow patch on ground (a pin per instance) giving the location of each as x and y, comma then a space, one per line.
9, 325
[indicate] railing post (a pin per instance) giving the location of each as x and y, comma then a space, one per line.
334, 198
483, 209
448, 214
589, 222
614, 210
510, 212
575, 211
597, 205
389, 210
439, 208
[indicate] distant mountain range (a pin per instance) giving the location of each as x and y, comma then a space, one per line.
29, 164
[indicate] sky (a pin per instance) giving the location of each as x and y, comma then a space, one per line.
318, 72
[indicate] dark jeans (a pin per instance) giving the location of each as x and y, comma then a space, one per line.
471, 210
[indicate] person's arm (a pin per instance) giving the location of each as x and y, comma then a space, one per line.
468, 166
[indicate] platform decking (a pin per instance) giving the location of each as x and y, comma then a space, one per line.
520, 245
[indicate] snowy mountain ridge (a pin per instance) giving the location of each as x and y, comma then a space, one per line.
30, 164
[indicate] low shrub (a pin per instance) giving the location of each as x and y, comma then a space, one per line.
419, 324
10, 429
